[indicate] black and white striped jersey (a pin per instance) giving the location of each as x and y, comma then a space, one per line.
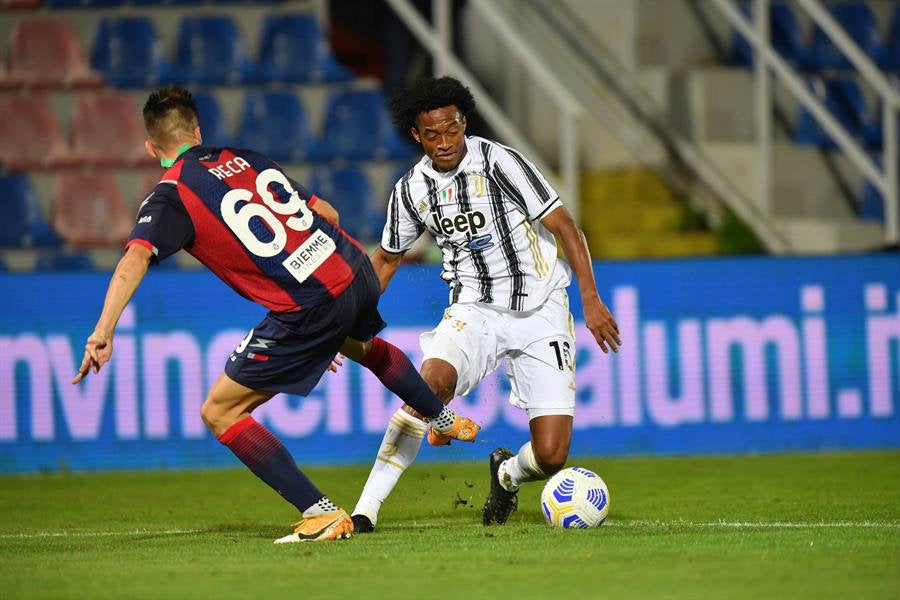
485, 216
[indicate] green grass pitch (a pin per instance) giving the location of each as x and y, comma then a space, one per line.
785, 526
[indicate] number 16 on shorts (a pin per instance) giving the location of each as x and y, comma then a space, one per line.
562, 352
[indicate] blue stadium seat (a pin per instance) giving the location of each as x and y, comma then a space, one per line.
274, 123
63, 262
357, 127
859, 23
22, 225
210, 52
348, 190
81, 3
784, 32
872, 205
892, 45
213, 126
845, 101
166, 2
293, 49
128, 52
872, 208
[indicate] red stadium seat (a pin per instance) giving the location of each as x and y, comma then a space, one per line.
19, 4
88, 210
6, 83
107, 130
44, 52
146, 181
31, 134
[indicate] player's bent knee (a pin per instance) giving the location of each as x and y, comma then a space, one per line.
214, 415
440, 377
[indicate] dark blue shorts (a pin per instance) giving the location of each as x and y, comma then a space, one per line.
289, 352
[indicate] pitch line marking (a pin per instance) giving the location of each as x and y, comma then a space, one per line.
624, 524
63, 534
758, 524
639, 523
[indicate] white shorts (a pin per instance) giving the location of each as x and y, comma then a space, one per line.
539, 346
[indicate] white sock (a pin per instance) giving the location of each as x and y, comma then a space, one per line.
320, 508
520, 468
398, 450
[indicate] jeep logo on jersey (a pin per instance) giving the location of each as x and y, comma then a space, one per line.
469, 223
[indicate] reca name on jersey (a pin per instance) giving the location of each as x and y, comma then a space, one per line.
469, 223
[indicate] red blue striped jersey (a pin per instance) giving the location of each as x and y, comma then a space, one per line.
239, 214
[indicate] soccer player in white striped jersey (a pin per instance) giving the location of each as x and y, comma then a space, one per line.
494, 217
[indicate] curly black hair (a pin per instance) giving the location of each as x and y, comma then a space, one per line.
426, 95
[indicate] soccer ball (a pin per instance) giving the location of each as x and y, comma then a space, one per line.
575, 498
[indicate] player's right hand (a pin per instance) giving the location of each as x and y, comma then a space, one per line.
97, 352
336, 363
601, 324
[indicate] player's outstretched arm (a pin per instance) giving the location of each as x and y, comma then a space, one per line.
128, 275
596, 316
386, 265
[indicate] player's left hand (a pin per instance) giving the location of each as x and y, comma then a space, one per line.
602, 324
97, 352
336, 363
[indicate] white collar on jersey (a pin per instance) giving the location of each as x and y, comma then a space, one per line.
429, 169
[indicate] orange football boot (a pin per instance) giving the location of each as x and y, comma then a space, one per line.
464, 429
323, 528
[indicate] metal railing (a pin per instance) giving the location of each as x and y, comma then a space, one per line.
768, 62
436, 40
620, 104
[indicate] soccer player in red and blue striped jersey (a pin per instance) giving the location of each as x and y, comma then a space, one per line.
274, 243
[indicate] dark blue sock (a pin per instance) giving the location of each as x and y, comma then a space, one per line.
269, 460
394, 370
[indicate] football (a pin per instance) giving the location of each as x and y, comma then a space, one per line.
575, 498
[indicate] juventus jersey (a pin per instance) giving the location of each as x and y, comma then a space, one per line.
486, 218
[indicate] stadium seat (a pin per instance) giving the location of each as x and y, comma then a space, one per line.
274, 123
357, 127
872, 205
859, 23
88, 210
44, 52
128, 51
107, 130
146, 181
166, 2
348, 190
31, 134
19, 4
213, 125
293, 49
67, 261
22, 225
845, 101
872, 208
785, 35
82, 3
210, 52
892, 45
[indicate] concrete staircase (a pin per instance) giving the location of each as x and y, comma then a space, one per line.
631, 213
